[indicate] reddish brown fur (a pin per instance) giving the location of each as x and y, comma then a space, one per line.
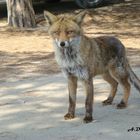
102, 55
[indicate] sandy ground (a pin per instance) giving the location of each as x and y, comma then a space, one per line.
33, 92
33, 109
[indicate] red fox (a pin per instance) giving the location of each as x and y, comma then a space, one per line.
81, 57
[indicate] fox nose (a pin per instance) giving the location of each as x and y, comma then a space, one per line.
62, 44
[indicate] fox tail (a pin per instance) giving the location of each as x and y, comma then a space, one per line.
133, 78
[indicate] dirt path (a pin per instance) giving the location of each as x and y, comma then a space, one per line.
33, 109
27, 53
33, 94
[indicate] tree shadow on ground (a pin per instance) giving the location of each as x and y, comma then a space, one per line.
26, 64
121, 19
133, 55
23, 65
36, 107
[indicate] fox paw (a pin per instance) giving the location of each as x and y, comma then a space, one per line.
69, 116
88, 119
107, 101
121, 105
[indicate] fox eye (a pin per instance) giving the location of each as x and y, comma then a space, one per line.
56, 32
70, 32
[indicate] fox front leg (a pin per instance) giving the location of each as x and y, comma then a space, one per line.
88, 84
72, 87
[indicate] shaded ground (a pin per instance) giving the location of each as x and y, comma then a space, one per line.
27, 53
33, 109
33, 95
25, 65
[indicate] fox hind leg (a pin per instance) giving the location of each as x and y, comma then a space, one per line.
126, 87
122, 78
114, 84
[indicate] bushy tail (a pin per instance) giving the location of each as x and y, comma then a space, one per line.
134, 79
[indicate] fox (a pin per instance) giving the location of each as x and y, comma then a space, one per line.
82, 58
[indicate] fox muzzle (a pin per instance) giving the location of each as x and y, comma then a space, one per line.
62, 44
68, 43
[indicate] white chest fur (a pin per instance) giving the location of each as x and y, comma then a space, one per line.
69, 59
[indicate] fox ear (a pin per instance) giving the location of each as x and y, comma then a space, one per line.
50, 17
79, 17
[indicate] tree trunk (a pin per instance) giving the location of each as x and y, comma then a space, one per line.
20, 13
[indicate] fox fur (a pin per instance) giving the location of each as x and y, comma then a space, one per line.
81, 57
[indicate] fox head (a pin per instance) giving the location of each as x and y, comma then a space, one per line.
65, 29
